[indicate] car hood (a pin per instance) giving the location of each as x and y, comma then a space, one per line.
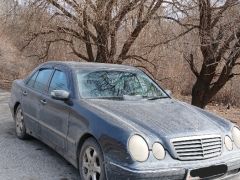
164, 117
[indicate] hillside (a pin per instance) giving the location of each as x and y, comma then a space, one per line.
12, 64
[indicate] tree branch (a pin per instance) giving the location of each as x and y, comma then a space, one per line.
77, 53
226, 6
190, 61
140, 25
140, 59
71, 16
87, 37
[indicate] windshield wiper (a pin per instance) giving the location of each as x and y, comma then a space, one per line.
109, 98
157, 97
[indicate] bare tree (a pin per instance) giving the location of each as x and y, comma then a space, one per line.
218, 28
96, 25
217, 47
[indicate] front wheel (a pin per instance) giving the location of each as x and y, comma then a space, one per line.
19, 124
91, 161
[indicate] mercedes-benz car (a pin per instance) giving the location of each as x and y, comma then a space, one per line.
115, 122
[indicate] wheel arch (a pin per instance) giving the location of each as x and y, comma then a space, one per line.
85, 137
15, 107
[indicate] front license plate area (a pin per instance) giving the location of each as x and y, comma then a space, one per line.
208, 172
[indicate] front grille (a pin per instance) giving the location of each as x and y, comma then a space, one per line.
197, 147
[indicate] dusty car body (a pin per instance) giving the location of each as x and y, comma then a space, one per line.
181, 141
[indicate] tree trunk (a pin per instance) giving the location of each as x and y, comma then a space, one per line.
202, 93
199, 91
102, 45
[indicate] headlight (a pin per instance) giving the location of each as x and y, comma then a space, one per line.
228, 143
236, 136
138, 148
158, 151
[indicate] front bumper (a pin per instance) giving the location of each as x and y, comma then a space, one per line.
180, 170
116, 172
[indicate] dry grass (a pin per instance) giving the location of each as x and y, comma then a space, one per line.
12, 64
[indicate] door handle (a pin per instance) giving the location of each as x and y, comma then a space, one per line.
25, 93
43, 101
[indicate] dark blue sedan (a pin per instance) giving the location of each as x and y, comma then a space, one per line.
114, 122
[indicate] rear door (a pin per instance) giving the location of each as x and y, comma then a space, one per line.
55, 113
31, 99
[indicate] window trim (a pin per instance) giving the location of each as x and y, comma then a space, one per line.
51, 78
29, 79
41, 69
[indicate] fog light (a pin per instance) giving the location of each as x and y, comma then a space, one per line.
228, 143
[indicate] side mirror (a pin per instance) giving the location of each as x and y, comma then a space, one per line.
60, 95
169, 92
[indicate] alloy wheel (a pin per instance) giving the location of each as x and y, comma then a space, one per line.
19, 123
91, 168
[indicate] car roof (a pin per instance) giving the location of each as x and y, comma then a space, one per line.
75, 65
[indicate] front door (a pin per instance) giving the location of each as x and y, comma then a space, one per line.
55, 113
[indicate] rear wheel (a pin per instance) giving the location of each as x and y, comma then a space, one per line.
19, 124
91, 161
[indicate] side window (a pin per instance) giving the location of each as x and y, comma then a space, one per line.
59, 81
31, 81
42, 79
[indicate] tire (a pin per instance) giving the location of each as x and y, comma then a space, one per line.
91, 161
20, 125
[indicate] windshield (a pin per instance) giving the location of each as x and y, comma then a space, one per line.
117, 84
